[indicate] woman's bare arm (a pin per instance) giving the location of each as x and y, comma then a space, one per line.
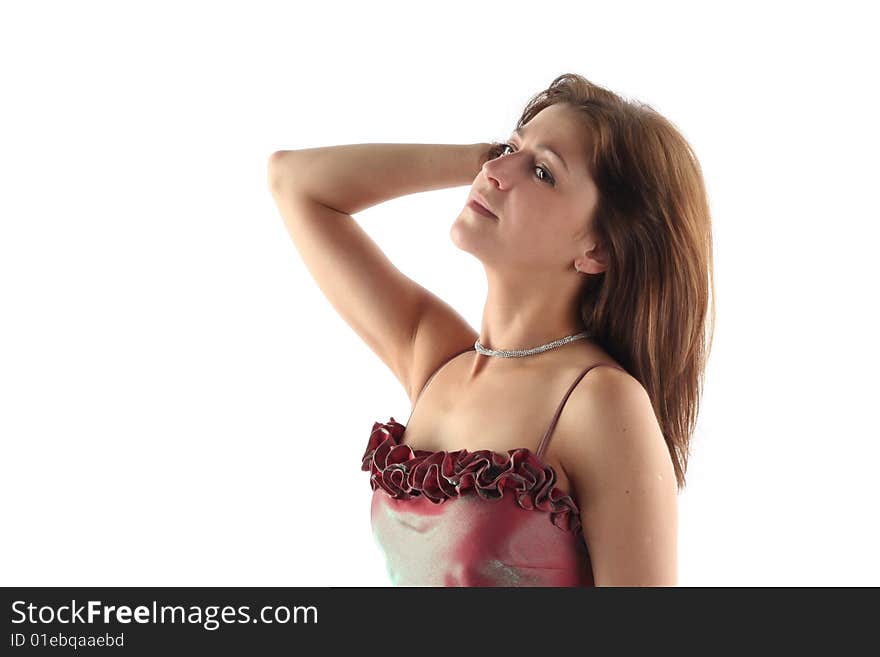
354, 177
318, 189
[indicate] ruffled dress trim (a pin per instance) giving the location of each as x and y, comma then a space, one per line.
404, 473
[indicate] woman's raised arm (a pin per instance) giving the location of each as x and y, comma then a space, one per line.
318, 189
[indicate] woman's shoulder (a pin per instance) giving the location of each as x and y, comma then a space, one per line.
590, 358
608, 410
597, 379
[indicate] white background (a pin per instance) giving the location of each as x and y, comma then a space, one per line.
182, 406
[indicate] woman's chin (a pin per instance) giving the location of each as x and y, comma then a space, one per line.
466, 233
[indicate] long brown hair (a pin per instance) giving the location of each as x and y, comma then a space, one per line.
650, 308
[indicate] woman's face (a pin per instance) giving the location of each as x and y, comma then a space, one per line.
542, 202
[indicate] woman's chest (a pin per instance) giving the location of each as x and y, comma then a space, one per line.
495, 418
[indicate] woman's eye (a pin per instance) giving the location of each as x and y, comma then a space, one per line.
548, 176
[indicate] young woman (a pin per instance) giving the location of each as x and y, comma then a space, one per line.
593, 226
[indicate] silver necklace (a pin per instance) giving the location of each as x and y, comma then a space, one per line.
516, 353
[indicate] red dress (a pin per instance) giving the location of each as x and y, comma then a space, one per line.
479, 518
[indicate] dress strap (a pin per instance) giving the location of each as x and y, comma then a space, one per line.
546, 439
431, 378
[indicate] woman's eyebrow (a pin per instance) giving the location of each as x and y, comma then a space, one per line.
520, 132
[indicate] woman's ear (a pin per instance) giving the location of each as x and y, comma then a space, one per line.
594, 261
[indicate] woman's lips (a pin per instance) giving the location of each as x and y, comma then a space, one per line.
476, 207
